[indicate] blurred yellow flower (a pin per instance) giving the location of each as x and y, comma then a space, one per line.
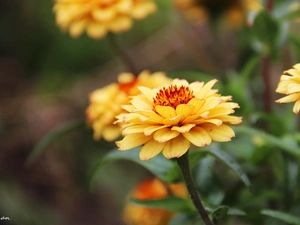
234, 11
105, 103
169, 119
147, 190
98, 17
290, 85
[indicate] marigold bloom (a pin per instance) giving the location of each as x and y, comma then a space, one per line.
97, 17
290, 85
147, 190
105, 103
169, 119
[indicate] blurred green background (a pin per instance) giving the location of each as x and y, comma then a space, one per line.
46, 77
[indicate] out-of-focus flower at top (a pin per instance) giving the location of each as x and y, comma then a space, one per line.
172, 117
234, 11
289, 85
147, 190
105, 103
98, 17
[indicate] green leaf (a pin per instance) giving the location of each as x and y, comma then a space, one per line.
272, 140
159, 165
186, 219
266, 28
220, 212
282, 216
236, 212
53, 136
173, 203
234, 166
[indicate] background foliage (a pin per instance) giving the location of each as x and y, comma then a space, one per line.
45, 80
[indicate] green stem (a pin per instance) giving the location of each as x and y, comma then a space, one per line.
184, 165
122, 53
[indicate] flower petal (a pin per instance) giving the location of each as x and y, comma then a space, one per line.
150, 129
289, 98
165, 111
198, 137
185, 110
296, 107
165, 134
176, 147
183, 129
222, 133
132, 140
151, 149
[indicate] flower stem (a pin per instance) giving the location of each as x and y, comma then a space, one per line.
122, 53
184, 165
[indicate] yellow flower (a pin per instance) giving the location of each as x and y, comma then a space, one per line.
97, 17
290, 85
105, 103
169, 119
151, 189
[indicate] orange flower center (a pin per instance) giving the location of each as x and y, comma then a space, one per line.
173, 96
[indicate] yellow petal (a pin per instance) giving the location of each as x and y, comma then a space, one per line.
197, 103
120, 24
183, 129
77, 28
134, 129
198, 137
111, 133
143, 9
289, 98
176, 147
173, 121
139, 104
150, 94
165, 111
205, 90
103, 14
151, 149
222, 133
165, 134
294, 87
296, 107
180, 82
132, 140
184, 110
150, 129
96, 30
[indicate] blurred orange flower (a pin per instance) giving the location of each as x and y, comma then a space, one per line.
106, 102
290, 86
234, 11
152, 189
97, 17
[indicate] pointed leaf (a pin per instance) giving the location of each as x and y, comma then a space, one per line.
220, 212
272, 140
282, 216
53, 136
159, 165
226, 158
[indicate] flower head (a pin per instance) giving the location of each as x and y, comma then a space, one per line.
105, 103
172, 117
97, 17
290, 85
152, 189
